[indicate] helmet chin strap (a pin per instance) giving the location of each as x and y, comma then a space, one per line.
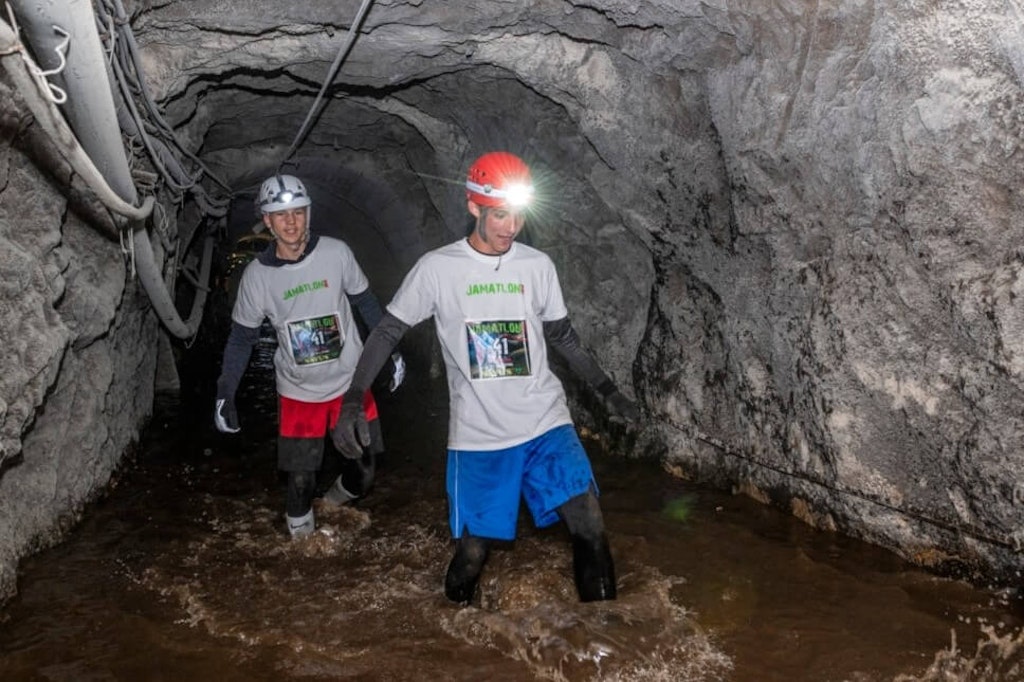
481, 220
481, 233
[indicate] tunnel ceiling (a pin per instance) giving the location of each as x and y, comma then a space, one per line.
426, 86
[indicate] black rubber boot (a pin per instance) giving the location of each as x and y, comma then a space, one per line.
465, 568
299, 492
355, 480
593, 568
299, 503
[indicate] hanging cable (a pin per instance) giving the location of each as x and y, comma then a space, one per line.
17, 61
342, 53
57, 94
129, 249
119, 21
143, 262
123, 60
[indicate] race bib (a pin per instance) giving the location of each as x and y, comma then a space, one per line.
315, 339
498, 348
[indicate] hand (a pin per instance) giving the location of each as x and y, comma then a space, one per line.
351, 434
622, 407
399, 374
225, 416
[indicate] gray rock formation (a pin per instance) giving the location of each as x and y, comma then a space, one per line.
789, 229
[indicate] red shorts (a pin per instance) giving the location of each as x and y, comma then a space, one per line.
298, 419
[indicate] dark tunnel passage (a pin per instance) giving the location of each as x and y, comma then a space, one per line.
394, 193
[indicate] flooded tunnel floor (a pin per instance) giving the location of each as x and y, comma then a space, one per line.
184, 571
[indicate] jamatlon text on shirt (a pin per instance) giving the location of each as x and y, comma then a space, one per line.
305, 288
496, 288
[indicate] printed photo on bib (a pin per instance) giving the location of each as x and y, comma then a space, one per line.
315, 339
498, 348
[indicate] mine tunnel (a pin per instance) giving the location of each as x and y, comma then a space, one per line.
789, 232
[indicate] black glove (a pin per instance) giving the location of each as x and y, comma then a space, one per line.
351, 434
619, 406
225, 416
622, 407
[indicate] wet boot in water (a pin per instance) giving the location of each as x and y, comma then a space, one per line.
354, 482
593, 568
465, 568
301, 526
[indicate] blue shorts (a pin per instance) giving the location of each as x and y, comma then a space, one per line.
484, 485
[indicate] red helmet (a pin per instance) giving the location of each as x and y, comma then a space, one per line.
499, 179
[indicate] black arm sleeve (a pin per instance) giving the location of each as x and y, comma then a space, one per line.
237, 350
368, 307
376, 351
562, 337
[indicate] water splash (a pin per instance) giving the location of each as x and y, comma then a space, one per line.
532, 615
996, 658
330, 603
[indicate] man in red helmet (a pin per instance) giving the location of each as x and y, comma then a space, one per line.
494, 302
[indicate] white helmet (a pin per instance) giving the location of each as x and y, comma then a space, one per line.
282, 192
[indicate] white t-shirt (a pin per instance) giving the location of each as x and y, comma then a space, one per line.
488, 313
306, 302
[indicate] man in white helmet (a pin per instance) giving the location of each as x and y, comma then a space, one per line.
306, 286
497, 306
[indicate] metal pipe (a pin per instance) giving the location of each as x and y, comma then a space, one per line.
91, 112
54, 125
90, 107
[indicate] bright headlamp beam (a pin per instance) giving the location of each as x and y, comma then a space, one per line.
517, 195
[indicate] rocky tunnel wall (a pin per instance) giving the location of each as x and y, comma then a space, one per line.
790, 229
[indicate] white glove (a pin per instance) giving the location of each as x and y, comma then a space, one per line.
225, 416
399, 375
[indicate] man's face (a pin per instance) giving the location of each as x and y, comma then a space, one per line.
289, 226
496, 228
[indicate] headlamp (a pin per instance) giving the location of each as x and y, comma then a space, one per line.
519, 195
516, 195
285, 196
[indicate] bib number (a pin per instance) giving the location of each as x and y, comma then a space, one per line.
315, 339
498, 349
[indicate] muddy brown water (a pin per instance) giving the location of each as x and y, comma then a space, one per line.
183, 572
